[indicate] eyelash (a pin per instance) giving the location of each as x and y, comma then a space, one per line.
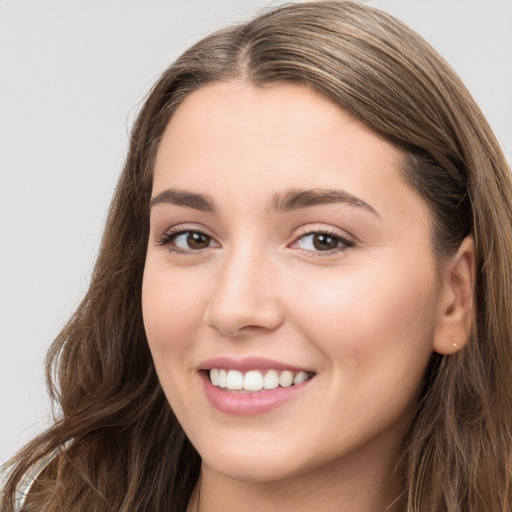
167, 238
345, 243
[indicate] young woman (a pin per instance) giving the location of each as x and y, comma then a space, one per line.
302, 298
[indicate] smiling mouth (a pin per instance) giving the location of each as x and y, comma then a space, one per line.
256, 380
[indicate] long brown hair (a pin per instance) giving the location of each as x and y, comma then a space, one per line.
127, 451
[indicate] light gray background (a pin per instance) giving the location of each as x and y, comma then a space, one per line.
72, 75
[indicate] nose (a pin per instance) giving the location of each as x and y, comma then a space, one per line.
244, 298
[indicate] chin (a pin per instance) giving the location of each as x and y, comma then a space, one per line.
252, 469
251, 461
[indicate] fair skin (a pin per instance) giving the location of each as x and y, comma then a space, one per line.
339, 284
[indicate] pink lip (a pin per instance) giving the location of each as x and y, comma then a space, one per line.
248, 404
247, 363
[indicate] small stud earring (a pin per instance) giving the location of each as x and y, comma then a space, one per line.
454, 345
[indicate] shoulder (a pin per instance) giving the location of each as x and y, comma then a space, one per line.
30, 477
32, 474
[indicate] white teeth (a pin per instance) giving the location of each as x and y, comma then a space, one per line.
214, 376
223, 379
235, 380
300, 377
255, 380
286, 379
271, 380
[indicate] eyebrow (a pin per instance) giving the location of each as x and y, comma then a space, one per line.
290, 200
298, 198
184, 198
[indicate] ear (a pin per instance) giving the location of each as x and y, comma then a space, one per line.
456, 314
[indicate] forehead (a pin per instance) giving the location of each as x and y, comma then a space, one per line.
235, 138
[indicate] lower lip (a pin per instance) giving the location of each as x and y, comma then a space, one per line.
249, 404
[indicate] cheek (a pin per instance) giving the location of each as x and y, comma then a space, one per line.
371, 318
376, 340
172, 309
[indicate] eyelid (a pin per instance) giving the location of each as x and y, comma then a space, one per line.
318, 227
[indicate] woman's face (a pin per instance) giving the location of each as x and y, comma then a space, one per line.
285, 245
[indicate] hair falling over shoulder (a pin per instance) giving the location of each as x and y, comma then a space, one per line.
117, 443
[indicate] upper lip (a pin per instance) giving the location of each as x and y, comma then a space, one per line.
248, 363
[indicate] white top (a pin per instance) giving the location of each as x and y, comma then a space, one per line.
30, 477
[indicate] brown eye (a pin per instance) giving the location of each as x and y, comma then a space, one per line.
197, 240
318, 242
324, 242
188, 240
